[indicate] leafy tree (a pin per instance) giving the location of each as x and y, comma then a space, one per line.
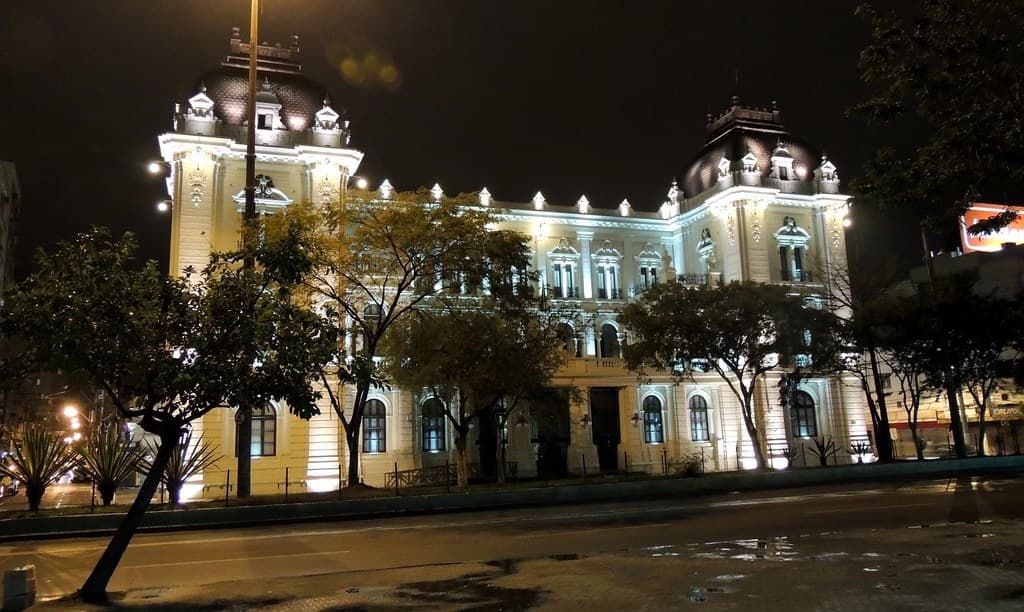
742, 331
38, 461
951, 70
852, 292
481, 359
108, 459
376, 261
165, 350
970, 340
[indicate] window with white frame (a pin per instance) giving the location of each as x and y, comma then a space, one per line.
375, 427
607, 262
654, 427
433, 425
792, 241
648, 268
563, 259
699, 423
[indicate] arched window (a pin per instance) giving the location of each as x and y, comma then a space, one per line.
699, 430
374, 430
567, 338
609, 341
371, 317
801, 416
654, 429
264, 432
433, 425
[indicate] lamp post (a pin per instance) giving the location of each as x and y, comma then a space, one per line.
244, 415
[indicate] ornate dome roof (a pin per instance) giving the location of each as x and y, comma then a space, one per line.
738, 131
280, 82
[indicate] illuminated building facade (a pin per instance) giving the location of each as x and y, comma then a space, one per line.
755, 204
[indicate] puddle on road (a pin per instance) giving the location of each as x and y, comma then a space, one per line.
767, 549
472, 592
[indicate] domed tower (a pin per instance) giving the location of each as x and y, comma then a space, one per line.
759, 203
302, 149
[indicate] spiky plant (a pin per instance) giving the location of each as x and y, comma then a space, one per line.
108, 459
38, 461
186, 461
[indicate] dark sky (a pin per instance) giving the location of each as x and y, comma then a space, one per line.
571, 97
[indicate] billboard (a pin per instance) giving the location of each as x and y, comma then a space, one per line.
1013, 232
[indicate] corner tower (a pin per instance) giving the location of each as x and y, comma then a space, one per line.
302, 149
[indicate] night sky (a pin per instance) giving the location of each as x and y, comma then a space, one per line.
571, 97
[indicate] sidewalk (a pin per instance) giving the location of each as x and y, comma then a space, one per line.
78, 525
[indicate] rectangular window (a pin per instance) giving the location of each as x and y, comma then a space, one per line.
433, 434
699, 425
602, 291
654, 431
784, 262
374, 427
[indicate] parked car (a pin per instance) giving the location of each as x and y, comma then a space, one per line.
8, 486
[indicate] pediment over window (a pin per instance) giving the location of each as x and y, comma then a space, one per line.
607, 251
791, 234
201, 105
564, 250
268, 197
327, 119
649, 253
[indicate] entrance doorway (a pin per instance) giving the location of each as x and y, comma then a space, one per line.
604, 411
551, 432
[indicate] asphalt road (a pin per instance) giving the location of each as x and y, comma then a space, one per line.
406, 544
208, 557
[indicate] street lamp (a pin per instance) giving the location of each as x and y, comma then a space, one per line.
244, 413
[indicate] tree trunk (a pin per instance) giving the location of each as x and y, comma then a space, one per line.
883, 439
174, 493
352, 439
461, 464
352, 432
107, 490
755, 439
955, 422
500, 453
95, 588
34, 493
981, 431
243, 429
918, 447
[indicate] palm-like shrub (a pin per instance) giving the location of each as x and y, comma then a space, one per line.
38, 461
186, 461
108, 459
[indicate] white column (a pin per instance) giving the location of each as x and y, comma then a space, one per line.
587, 281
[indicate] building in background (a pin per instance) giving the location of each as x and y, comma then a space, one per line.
755, 203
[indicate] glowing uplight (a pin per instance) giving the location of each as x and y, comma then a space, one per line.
163, 206
361, 183
70, 411
155, 167
76, 436
847, 222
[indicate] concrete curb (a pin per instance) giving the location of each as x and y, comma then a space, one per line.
198, 518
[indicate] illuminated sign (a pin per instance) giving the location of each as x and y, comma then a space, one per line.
1012, 233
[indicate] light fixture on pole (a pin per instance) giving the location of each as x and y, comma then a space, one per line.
244, 414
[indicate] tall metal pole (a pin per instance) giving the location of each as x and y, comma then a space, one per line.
243, 418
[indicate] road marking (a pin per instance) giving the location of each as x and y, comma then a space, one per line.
873, 508
199, 562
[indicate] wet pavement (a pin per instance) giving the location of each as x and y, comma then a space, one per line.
943, 566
